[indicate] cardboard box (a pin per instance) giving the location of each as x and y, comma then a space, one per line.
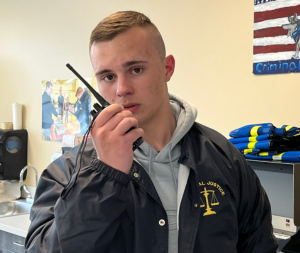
71, 140
78, 139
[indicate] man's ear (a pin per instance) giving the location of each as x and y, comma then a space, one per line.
169, 67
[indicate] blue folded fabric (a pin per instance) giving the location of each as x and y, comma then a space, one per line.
285, 131
256, 157
268, 144
293, 156
268, 153
251, 139
250, 151
251, 130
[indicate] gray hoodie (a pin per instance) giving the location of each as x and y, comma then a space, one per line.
168, 177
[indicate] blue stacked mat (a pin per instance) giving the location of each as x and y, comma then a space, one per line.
267, 142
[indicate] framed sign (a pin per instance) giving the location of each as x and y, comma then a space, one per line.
276, 36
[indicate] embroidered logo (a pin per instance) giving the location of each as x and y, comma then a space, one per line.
208, 197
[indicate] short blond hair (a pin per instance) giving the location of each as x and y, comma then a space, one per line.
120, 22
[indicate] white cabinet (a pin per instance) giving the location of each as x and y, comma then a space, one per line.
11, 243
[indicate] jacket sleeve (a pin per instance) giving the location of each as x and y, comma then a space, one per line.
254, 210
86, 218
53, 111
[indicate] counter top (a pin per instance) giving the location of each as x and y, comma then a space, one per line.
17, 224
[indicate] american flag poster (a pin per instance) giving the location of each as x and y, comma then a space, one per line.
276, 36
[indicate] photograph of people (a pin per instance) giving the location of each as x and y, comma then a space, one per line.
70, 106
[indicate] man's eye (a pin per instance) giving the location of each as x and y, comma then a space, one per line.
137, 70
108, 78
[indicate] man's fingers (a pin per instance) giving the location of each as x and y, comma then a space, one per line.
125, 125
117, 119
129, 131
135, 134
106, 115
116, 125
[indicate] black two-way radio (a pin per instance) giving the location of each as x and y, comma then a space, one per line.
97, 107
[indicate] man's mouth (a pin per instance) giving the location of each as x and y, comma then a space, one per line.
131, 107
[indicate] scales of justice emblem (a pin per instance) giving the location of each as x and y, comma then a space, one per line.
209, 194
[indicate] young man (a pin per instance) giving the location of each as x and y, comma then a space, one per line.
60, 101
47, 110
185, 189
83, 109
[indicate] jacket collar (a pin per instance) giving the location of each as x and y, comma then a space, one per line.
199, 148
187, 156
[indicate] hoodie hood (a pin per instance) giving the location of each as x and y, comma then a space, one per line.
185, 114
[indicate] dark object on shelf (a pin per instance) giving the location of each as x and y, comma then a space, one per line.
293, 245
13, 153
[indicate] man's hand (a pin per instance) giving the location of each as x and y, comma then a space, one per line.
112, 143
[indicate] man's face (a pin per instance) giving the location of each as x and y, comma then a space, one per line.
79, 95
130, 72
49, 90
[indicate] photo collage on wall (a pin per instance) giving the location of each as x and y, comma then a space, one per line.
66, 106
276, 36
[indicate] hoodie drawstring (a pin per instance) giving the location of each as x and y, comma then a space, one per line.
172, 169
150, 161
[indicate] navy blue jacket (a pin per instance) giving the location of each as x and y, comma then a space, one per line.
83, 111
223, 208
47, 110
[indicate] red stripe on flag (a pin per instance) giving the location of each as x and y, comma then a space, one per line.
270, 32
273, 49
278, 13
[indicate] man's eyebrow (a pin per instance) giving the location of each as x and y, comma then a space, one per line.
124, 65
102, 72
130, 63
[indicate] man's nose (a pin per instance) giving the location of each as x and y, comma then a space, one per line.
124, 86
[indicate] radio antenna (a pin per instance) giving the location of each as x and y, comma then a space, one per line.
101, 100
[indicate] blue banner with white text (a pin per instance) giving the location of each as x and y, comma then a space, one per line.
276, 67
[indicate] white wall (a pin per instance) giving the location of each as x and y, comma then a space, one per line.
211, 42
